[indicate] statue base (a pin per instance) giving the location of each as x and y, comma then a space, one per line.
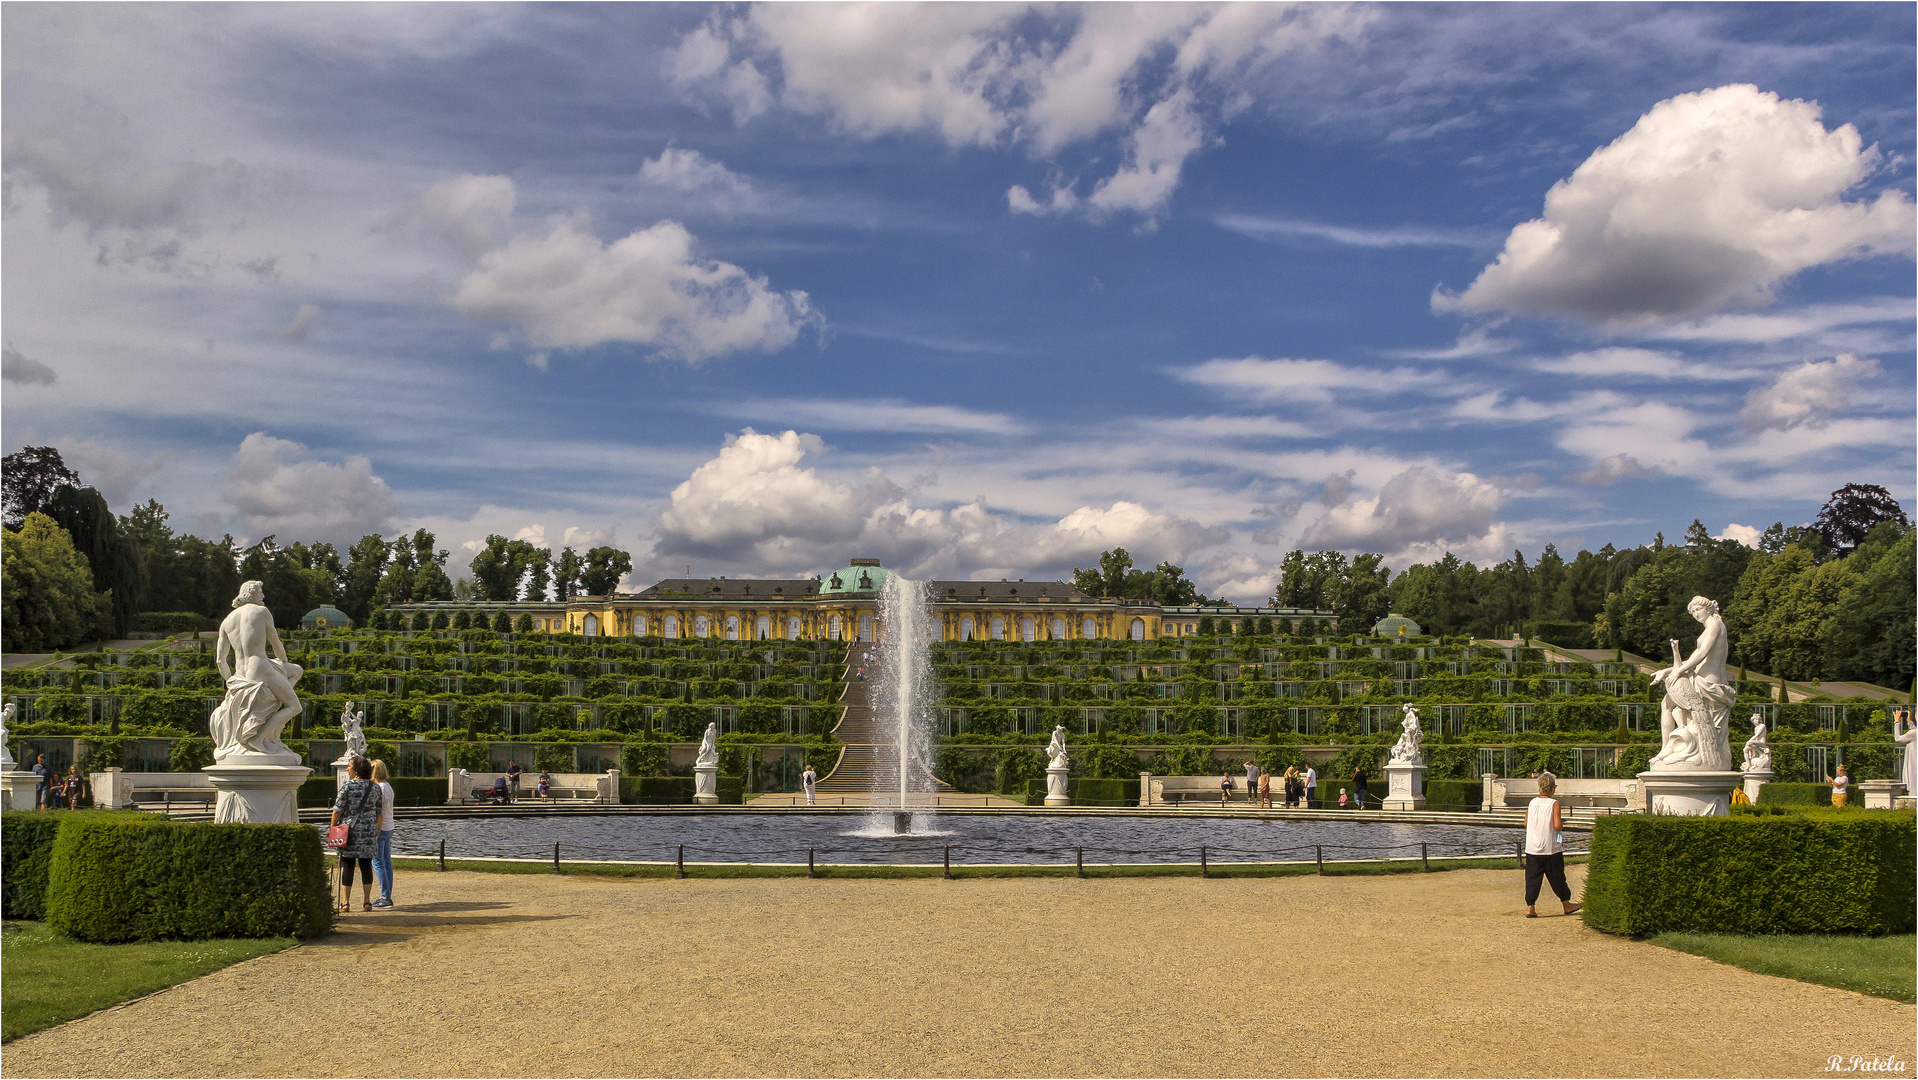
17, 789
1057, 792
342, 770
706, 785
257, 794
1689, 794
1879, 794
1754, 780
1405, 787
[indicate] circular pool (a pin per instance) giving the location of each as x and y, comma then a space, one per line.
972, 838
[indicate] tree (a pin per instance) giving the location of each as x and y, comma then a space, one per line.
1114, 565
566, 570
28, 479
365, 563
603, 569
429, 579
1361, 599
1853, 511
523, 624
1874, 622
1779, 611
47, 599
113, 557
503, 623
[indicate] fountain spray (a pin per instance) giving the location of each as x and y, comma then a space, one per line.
903, 697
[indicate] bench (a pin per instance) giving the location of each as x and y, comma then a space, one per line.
462, 787
1591, 796
115, 789
1173, 790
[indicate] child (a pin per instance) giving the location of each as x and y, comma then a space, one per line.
1342, 803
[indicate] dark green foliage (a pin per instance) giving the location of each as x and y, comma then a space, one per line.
1753, 874
1780, 794
317, 790
1454, 795
677, 790
471, 756
641, 759
1018, 765
119, 880
190, 755
1570, 635
418, 790
1088, 791
171, 622
26, 851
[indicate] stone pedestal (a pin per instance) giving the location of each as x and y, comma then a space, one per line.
1755, 779
459, 787
1879, 794
342, 770
257, 794
1404, 787
1689, 794
706, 785
1486, 779
1056, 790
17, 789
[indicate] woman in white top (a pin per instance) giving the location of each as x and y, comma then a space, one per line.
383, 862
1545, 848
1840, 787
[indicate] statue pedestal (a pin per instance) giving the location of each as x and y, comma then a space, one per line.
341, 773
1056, 790
1755, 779
17, 789
1405, 787
1879, 794
257, 794
1689, 794
706, 785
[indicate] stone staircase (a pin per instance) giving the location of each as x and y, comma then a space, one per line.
866, 764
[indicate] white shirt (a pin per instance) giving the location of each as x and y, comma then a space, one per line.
386, 807
1312, 781
808, 778
1540, 837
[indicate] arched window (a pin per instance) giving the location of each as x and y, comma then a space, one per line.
965, 628
1138, 629
1058, 627
636, 625
1090, 629
765, 628
865, 628
934, 632
591, 625
671, 629
792, 628
732, 628
1028, 630
832, 628
701, 627
998, 628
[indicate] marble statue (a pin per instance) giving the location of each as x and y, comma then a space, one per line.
709, 747
1056, 749
352, 728
1907, 733
1757, 750
6, 721
1694, 719
259, 700
1407, 751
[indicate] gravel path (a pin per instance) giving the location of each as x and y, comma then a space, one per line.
1410, 975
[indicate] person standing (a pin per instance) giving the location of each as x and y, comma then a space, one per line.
1545, 848
383, 857
1265, 789
1251, 780
1358, 786
40, 784
809, 780
1840, 787
74, 788
358, 808
512, 778
1311, 788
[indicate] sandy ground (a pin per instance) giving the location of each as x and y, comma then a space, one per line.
1412, 975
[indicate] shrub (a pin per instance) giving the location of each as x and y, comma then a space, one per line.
26, 850
1089, 791
1777, 794
1752, 874
190, 755
418, 790
1451, 794
119, 880
641, 759
171, 622
677, 790
553, 757
471, 756
318, 790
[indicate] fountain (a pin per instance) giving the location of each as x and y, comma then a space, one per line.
902, 714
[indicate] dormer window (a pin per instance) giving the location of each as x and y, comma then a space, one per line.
865, 580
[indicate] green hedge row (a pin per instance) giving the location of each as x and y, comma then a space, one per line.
1454, 795
1777, 794
124, 877
1753, 874
1088, 791
677, 790
26, 850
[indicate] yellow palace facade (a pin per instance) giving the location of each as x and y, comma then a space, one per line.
844, 606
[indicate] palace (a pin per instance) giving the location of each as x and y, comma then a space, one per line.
844, 605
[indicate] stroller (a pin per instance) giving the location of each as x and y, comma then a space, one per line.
496, 795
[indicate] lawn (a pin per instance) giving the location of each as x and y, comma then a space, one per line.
1880, 966
51, 979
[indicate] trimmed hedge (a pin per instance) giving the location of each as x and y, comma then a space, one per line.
1452, 795
1777, 794
1753, 874
114, 879
677, 790
26, 850
1088, 791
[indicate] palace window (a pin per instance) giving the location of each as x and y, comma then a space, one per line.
1027, 630
765, 628
701, 626
998, 628
1058, 627
865, 628
792, 628
832, 628
591, 625
965, 628
1090, 629
732, 628
672, 627
1138, 629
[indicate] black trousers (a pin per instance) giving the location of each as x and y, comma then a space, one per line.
366, 870
1549, 867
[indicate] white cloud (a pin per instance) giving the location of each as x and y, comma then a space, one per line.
115, 473
1713, 198
693, 173
17, 367
473, 213
1421, 508
1744, 534
1614, 361
1808, 395
1797, 322
570, 290
277, 490
1303, 380
875, 415
1270, 228
1610, 471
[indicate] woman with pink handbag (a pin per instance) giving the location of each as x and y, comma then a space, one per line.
355, 831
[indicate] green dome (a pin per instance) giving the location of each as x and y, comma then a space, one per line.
326, 617
863, 576
1395, 626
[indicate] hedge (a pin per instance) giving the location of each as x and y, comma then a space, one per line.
1088, 791
118, 880
26, 848
1752, 874
1452, 794
1777, 794
677, 790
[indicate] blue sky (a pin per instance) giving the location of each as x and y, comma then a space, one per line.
977, 290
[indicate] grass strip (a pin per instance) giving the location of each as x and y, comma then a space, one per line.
1879, 966
51, 978
880, 872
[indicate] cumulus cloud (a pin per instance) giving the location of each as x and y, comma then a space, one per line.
569, 290
112, 471
18, 367
1419, 512
277, 490
990, 75
693, 173
1745, 534
1610, 471
757, 504
1713, 198
1806, 396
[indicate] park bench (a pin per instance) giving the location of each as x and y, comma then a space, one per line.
462, 786
1173, 790
116, 790
1589, 797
